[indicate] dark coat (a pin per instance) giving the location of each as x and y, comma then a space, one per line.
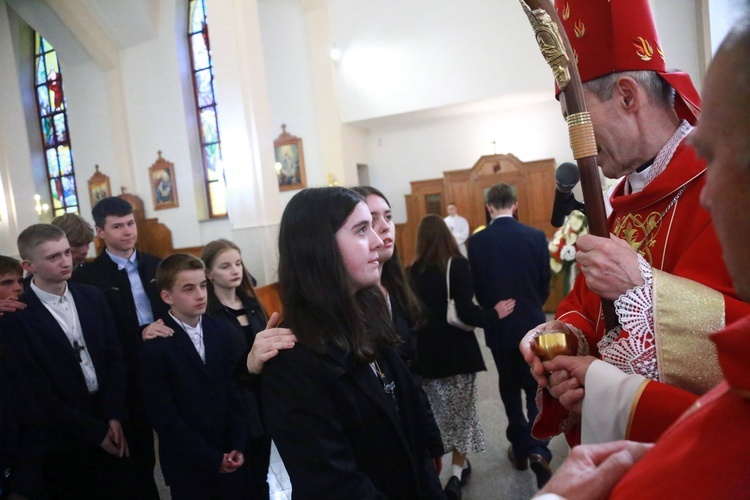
339, 433
21, 430
48, 359
195, 408
241, 345
510, 261
102, 272
442, 349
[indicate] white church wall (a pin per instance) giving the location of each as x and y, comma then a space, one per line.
16, 180
156, 114
399, 57
288, 78
532, 130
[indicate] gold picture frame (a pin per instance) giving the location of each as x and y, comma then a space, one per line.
99, 187
163, 184
290, 161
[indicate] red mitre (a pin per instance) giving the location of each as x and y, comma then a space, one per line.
609, 36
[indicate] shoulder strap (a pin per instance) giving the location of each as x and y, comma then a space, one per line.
448, 277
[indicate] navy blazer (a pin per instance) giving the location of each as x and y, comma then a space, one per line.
195, 407
338, 431
510, 260
48, 359
22, 434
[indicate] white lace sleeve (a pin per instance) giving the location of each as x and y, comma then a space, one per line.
635, 308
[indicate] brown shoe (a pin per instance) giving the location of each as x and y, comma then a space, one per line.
541, 468
518, 464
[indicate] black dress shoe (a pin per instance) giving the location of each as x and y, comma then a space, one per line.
453, 489
541, 468
519, 464
466, 473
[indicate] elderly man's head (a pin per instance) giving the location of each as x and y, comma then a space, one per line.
722, 138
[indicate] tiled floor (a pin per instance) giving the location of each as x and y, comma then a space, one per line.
493, 476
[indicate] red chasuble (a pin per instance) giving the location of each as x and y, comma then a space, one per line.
706, 453
693, 297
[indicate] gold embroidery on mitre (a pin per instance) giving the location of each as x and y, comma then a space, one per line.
661, 52
579, 28
633, 227
566, 12
643, 49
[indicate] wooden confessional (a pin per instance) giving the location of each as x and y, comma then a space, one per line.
535, 186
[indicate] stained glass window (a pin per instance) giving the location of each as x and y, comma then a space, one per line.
53, 120
205, 102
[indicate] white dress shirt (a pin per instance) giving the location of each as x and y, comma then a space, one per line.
196, 335
459, 227
63, 309
140, 298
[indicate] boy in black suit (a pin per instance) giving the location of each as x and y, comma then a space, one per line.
128, 279
64, 347
192, 403
20, 433
511, 260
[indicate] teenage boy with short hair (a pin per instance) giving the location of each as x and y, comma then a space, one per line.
11, 285
80, 234
65, 344
193, 405
128, 279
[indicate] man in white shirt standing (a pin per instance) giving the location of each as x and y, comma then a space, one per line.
459, 227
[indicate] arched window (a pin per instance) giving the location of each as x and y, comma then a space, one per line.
205, 103
53, 120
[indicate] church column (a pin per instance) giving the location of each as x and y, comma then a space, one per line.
247, 139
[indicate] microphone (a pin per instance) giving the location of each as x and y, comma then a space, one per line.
566, 178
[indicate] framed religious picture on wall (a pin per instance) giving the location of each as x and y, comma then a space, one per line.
163, 185
290, 161
99, 187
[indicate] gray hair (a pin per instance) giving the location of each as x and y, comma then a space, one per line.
657, 89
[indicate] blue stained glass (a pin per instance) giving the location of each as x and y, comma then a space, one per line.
213, 155
205, 88
43, 98
208, 125
52, 167
201, 58
45, 46
56, 189
49, 139
66, 161
61, 132
197, 15
41, 73
69, 189
72, 210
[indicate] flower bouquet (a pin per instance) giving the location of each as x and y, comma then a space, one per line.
562, 249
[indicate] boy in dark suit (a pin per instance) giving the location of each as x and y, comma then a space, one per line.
510, 260
64, 346
128, 278
192, 403
20, 432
